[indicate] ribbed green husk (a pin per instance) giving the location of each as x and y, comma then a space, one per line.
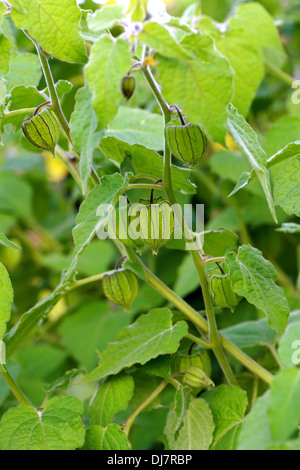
121, 287
188, 143
42, 130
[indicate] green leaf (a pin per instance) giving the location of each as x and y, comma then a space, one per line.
88, 222
228, 405
55, 26
287, 187
188, 84
198, 427
57, 427
289, 345
6, 48
284, 407
4, 241
137, 126
289, 228
177, 414
282, 133
112, 396
83, 131
24, 70
256, 433
110, 60
105, 18
289, 151
249, 68
217, 242
254, 277
150, 336
6, 299
261, 30
246, 139
145, 162
157, 37
251, 333
109, 438
93, 317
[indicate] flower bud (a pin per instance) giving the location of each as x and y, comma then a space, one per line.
186, 142
121, 287
128, 86
221, 289
195, 377
156, 222
42, 130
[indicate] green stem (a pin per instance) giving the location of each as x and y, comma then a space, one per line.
15, 389
283, 76
129, 422
214, 339
198, 341
144, 186
69, 164
17, 112
89, 280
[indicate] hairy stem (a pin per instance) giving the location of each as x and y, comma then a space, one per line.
15, 389
129, 422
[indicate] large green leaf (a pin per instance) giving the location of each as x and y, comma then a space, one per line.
150, 336
24, 69
289, 345
109, 438
256, 434
57, 427
188, 83
254, 277
112, 396
284, 407
137, 126
6, 299
198, 427
105, 17
6, 48
157, 37
110, 60
82, 332
55, 26
261, 30
228, 405
287, 187
249, 68
83, 131
246, 139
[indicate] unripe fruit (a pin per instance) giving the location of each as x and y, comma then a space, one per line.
42, 130
221, 289
128, 86
156, 222
195, 377
200, 360
186, 142
121, 287
122, 228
